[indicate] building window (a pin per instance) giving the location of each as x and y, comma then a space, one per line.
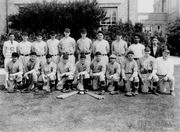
111, 17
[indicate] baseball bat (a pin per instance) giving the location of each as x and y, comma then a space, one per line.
65, 95
95, 95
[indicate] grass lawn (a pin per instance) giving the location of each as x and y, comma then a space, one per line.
82, 113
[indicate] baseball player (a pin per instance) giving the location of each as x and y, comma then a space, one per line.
48, 74
84, 45
137, 48
9, 47
24, 49
40, 47
119, 47
67, 46
113, 71
147, 72
52, 45
97, 73
82, 77
102, 46
165, 70
14, 73
130, 74
31, 72
65, 74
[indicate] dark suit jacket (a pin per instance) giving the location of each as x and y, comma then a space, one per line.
158, 52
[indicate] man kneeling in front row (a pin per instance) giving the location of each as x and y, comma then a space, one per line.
14, 74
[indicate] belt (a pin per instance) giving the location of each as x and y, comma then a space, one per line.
40, 55
24, 54
87, 53
146, 71
68, 53
55, 55
104, 54
128, 73
136, 58
161, 75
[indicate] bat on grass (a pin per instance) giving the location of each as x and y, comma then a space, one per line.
65, 95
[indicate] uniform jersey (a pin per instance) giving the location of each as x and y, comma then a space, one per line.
119, 47
14, 67
129, 66
113, 68
30, 65
39, 47
63, 68
101, 46
138, 50
67, 45
84, 45
53, 46
147, 64
81, 68
49, 68
24, 48
97, 67
9, 48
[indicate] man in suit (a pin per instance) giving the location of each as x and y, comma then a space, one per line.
156, 50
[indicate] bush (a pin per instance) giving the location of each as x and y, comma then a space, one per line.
55, 16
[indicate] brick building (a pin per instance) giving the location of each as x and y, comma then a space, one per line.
116, 10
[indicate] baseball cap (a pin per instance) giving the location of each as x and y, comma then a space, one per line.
112, 56
119, 33
130, 52
83, 56
167, 51
83, 31
67, 30
14, 54
11, 34
52, 33
97, 53
24, 34
147, 49
48, 56
33, 53
65, 56
38, 34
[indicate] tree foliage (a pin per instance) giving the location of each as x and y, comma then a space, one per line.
55, 16
174, 36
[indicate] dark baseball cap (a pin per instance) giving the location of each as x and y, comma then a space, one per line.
67, 30
52, 33
33, 53
15, 54
11, 34
130, 52
147, 49
66, 56
24, 34
82, 56
97, 53
83, 31
38, 34
48, 56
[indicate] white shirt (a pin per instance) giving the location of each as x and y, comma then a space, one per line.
39, 47
154, 49
24, 47
165, 67
53, 46
9, 48
138, 50
119, 47
84, 45
67, 45
101, 46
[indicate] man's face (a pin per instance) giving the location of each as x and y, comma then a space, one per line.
154, 41
119, 37
98, 58
14, 59
65, 61
66, 34
166, 55
112, 60
39, 38
53, 36
147, 53
136, 39
130, 57
33, 57
83, 60
100, 36
48, 60
11, 37
83, 34
24, 37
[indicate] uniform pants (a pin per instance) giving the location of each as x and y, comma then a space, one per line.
147, 83
111, 81
63, 80
6, 61
163, 85
96, 81
23, 59
11, 81
128, 84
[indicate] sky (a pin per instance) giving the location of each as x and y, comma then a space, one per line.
145, 5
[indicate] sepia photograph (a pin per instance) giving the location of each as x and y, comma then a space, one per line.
89, 65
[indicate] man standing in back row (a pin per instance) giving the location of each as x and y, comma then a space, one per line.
67, 46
